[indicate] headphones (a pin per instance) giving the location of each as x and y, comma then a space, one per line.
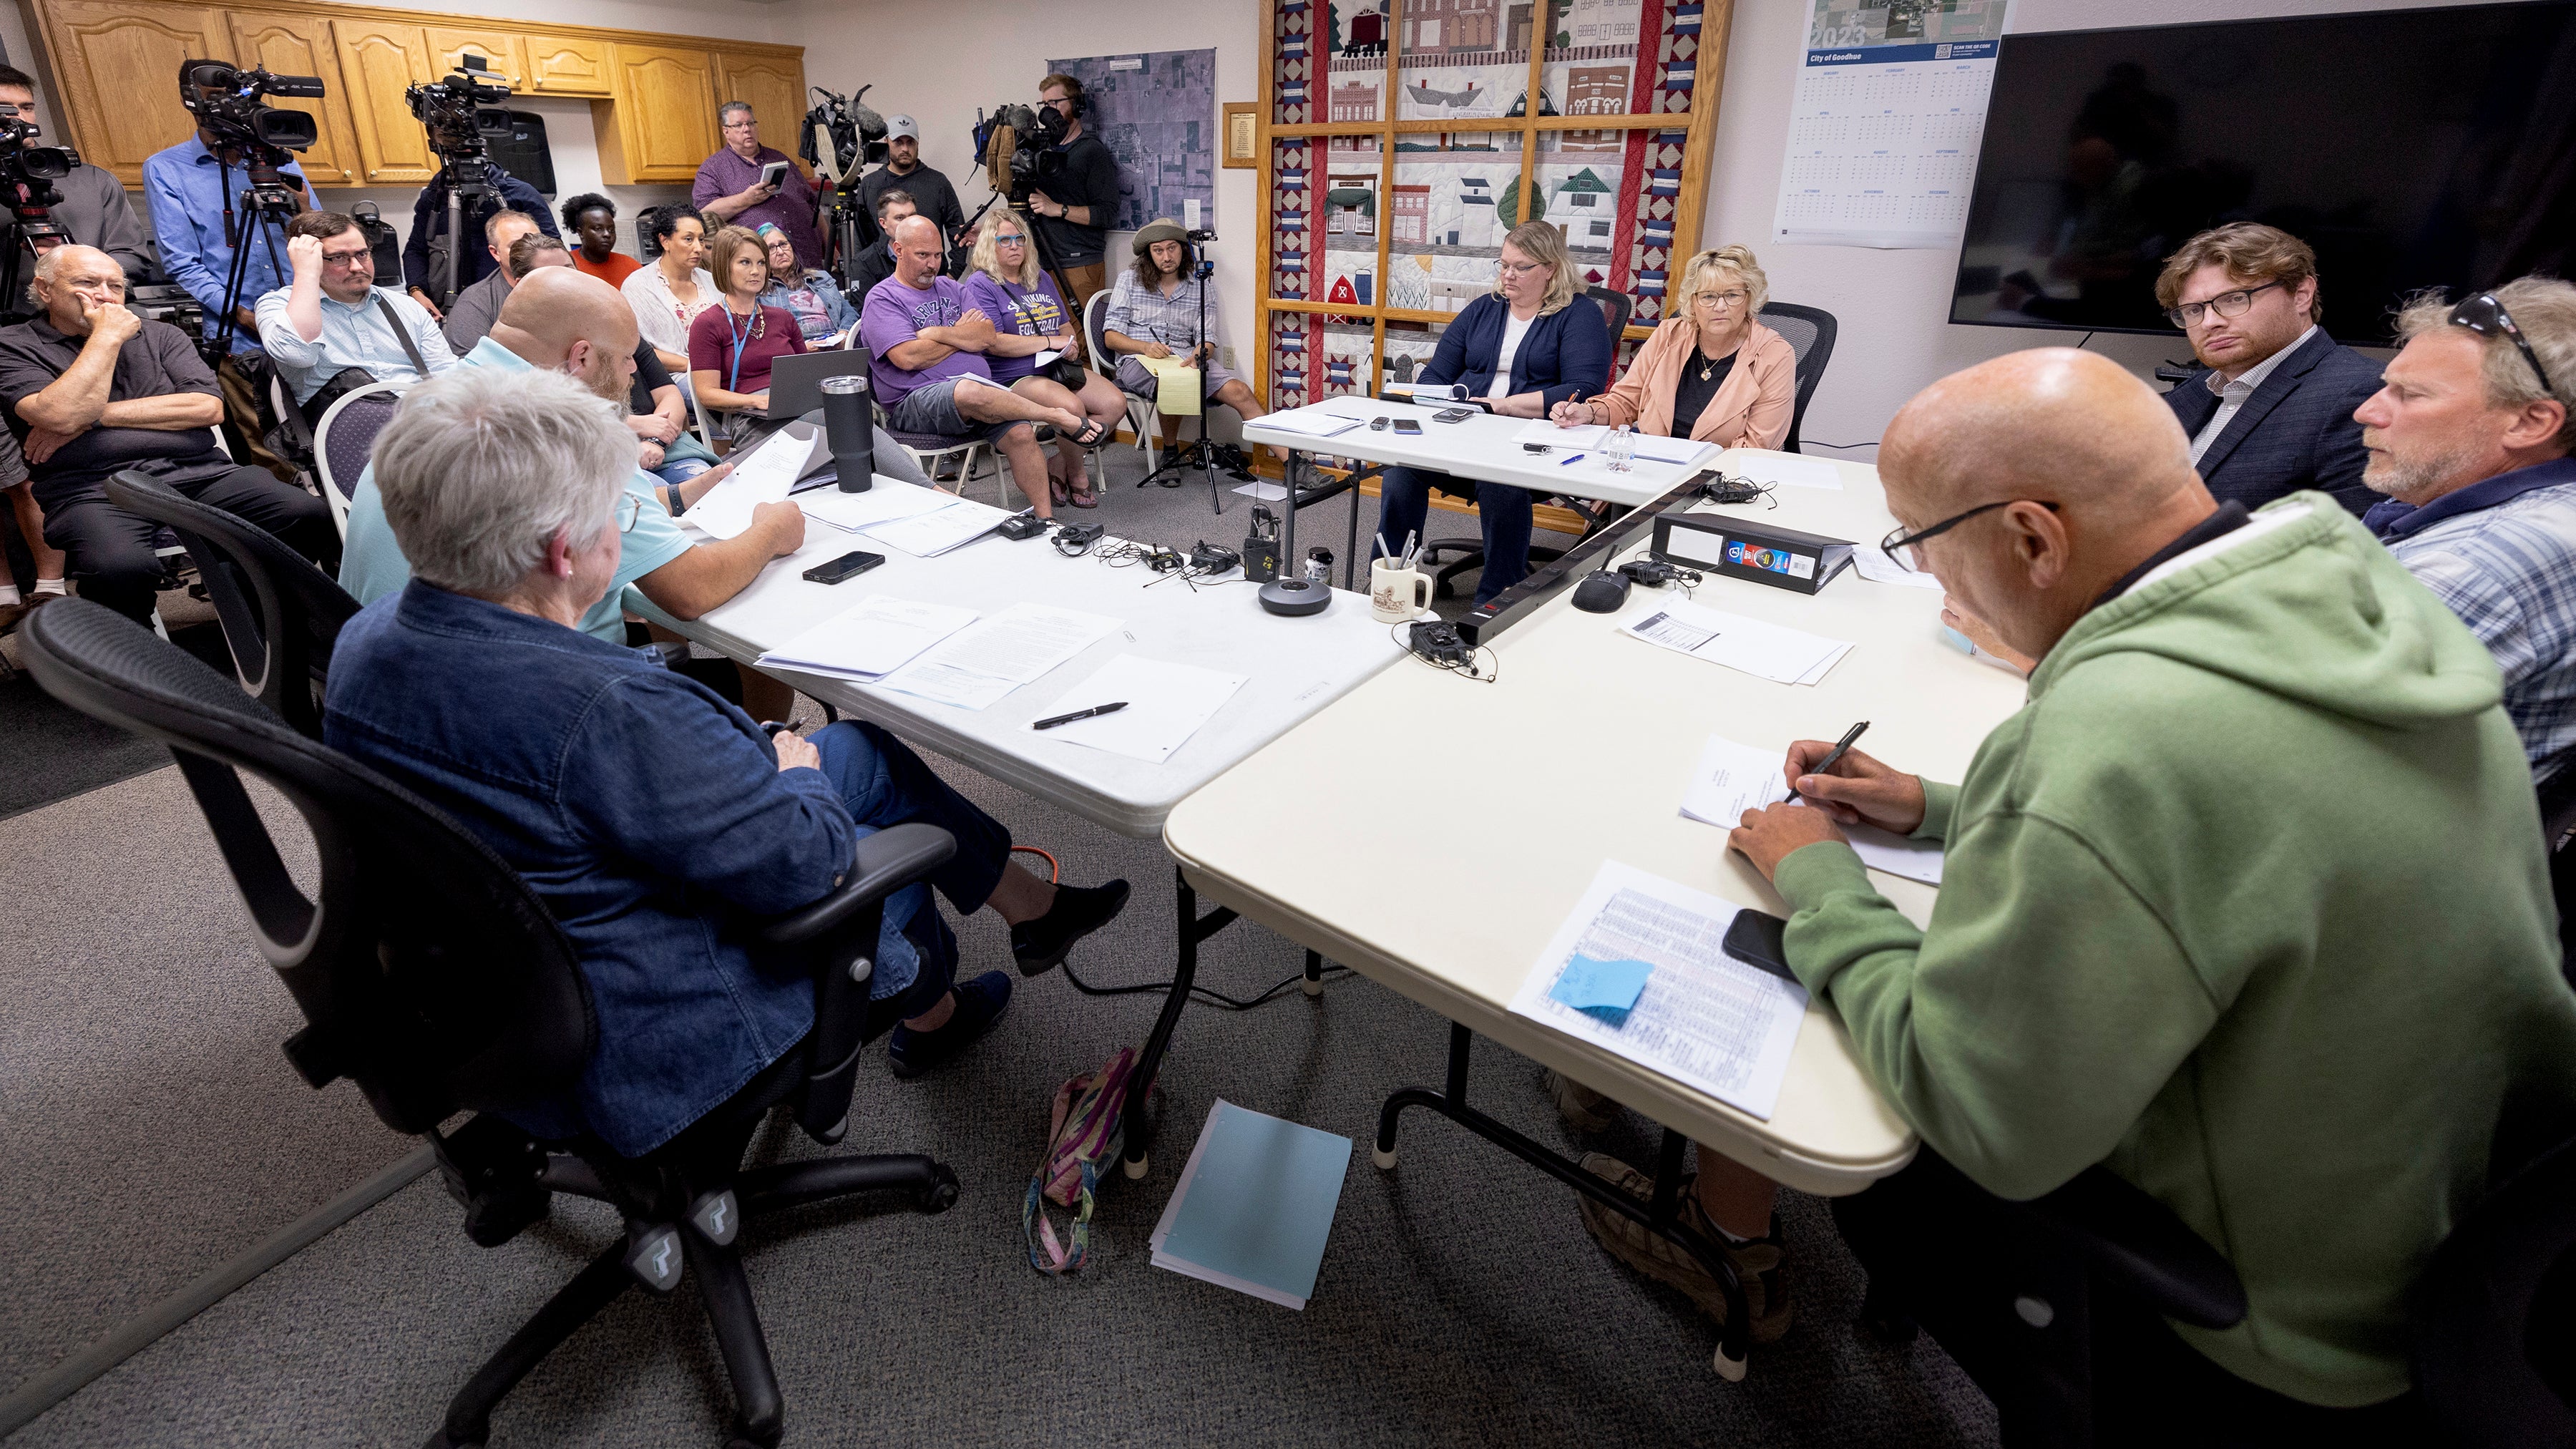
1073, 92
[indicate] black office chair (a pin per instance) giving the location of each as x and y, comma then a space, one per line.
2494, 1323
1616, 308
2558, 831
280, 614
433, 978
1810, 333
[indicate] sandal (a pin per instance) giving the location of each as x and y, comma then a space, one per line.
1083, 497
1094, 434
1057, 492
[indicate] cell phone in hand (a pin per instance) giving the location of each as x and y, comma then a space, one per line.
847, 566
1408, 425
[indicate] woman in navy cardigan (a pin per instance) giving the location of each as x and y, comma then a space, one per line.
1525, 347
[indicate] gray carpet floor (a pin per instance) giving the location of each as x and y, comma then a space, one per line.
152, 1129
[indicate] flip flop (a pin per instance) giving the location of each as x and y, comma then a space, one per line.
1094, 434
1057, 491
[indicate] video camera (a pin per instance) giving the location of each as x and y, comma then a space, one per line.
231, 103
27, 177
452, 110
1018, 146
857, 132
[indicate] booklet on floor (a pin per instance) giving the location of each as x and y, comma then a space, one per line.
1255, 1205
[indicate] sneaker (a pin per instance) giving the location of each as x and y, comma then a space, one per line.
1041, 945
1760, 1265
1583, 1109
980, 1003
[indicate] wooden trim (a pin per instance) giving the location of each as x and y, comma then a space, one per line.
1632, 121
530, 26
1268, 108
1250, 111
1716, 29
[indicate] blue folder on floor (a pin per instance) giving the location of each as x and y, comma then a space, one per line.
1254, 1205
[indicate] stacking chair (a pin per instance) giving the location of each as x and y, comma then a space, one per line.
280, 614
1142, 418
1810, 334
434, 979
343, 439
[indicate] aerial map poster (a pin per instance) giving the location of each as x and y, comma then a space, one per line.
1883, 135
1157, 114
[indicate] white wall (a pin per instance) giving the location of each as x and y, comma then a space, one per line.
1893, 306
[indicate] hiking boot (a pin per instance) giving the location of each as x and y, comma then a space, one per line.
1760, 1265
1583, 1109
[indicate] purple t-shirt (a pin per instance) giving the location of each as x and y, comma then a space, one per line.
895, 315
724, 174
1014, 308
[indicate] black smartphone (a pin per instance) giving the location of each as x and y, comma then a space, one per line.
1453, 415
1760, 939
847, 566
1377, 425
1408, 425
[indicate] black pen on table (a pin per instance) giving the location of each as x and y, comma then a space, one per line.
1110, 708
1841, 747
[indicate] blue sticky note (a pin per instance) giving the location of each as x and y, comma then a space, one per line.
1607, 989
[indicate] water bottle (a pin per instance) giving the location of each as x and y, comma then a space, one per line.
1620, 448
850, 431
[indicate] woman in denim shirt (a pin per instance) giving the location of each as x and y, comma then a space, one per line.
656, 821
822, 314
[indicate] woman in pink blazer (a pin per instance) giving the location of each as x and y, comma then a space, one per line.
1712, 373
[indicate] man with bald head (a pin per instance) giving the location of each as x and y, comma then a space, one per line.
2247, 905
91, 390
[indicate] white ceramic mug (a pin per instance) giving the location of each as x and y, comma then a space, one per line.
1396, 594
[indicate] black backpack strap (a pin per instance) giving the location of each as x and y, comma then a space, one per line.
402, 335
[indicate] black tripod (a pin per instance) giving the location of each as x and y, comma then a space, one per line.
266, 206
467, 178
1206, 454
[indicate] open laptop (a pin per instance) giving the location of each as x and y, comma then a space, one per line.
796, 380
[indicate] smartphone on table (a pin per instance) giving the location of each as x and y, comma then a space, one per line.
847, 566
1408, 426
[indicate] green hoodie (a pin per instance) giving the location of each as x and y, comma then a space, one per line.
2248, 903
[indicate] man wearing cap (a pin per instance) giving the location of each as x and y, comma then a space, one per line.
931, 194
729, 189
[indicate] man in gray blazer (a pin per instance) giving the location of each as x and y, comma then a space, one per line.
2271, 410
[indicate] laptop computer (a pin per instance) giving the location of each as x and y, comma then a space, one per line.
796, 380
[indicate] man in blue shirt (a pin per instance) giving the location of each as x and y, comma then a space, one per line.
334, 317
2470, 440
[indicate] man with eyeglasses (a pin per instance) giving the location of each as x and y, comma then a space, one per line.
2270, 412
91, 390
2471, 440
333, 318
728, 187
2244, 906
1076, 198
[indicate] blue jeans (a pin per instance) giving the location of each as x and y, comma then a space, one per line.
1404, 504
680, 470
884, 783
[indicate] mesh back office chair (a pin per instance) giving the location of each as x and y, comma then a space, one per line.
1809, 332
344, 438
280, 614
434, 979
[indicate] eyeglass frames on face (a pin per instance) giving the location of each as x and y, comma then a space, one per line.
2485, 316
2225, 304
345, 259
630, 509
1723, 299
1523, 269
1903, 547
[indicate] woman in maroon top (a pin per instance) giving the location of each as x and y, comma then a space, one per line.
731, 346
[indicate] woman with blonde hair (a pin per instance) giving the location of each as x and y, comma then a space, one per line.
1711, 373
1005, 282
1527, 347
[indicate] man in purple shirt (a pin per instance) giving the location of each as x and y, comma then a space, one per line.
728, 187
926, 345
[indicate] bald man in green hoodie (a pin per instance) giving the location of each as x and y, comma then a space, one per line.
2247, 904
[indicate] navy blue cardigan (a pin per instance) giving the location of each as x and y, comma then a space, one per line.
1565, 352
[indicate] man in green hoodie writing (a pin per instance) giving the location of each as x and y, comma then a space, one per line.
2247, 904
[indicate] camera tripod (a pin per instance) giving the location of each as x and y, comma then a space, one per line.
468, 178
1207, 455
266, 206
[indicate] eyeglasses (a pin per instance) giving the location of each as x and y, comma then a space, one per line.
742, 126
1729, 299
1903, 547
2225, 304
1524, 269
1010, 241
1064, 101
345, 259
2485, 316
630, 510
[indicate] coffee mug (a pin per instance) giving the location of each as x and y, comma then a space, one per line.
1397, 594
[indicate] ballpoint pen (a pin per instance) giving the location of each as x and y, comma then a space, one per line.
1570, 458
1841, 746
1110, 708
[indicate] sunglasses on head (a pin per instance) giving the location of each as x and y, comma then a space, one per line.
2485, 316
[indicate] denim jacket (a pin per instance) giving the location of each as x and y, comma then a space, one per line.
649, 815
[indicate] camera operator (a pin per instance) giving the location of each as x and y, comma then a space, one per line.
1076, 197
931, 194
728, 186
335, 319
95, 211
426, 250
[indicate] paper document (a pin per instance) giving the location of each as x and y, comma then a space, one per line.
1254, 1206
878, 637
1047, 358
1768, 651
1703, 1017
935, 531
1877, 566
1312, 422
1732, 778
1672, 450
1789, 469
884, 502
762, 476
987, 660
1543, 431
1166, 704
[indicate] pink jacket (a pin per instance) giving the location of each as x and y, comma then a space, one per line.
1752, 407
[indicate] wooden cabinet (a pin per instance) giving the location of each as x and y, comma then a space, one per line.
503, 50
566, 65
379, 61
775, 88
116, 72
661, 121
301, 45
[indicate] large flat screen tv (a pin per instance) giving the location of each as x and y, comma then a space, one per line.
2410, 148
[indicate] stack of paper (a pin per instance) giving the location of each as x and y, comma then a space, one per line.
884, 502
1545, 432
871, 641
1166, 704
1768, 651
1879, 567
981, 663
934, 531
1313, 422
1652, 982
763, 476
1733, 778
1254, 1206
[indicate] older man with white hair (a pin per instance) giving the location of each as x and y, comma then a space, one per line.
647, 812
2472, 438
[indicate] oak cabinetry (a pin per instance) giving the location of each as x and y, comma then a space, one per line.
379, 61
567, 65
116, 68
662, 121
502, 50
290, 44
775, 88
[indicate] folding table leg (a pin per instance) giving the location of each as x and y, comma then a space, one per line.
1194, 928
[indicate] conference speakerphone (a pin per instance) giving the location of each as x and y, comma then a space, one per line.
1729, 546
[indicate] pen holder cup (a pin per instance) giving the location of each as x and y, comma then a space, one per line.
850, 431
1397, 594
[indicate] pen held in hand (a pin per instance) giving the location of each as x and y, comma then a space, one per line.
1063, 719
1841, 747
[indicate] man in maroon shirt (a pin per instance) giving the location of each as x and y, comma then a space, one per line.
728, 187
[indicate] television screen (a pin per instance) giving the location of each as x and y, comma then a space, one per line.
2410, 148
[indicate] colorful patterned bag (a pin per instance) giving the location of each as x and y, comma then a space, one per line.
1083, 1138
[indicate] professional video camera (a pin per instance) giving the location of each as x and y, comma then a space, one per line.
230, 103
27, 177
453, 112
1018, 146
839, 138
